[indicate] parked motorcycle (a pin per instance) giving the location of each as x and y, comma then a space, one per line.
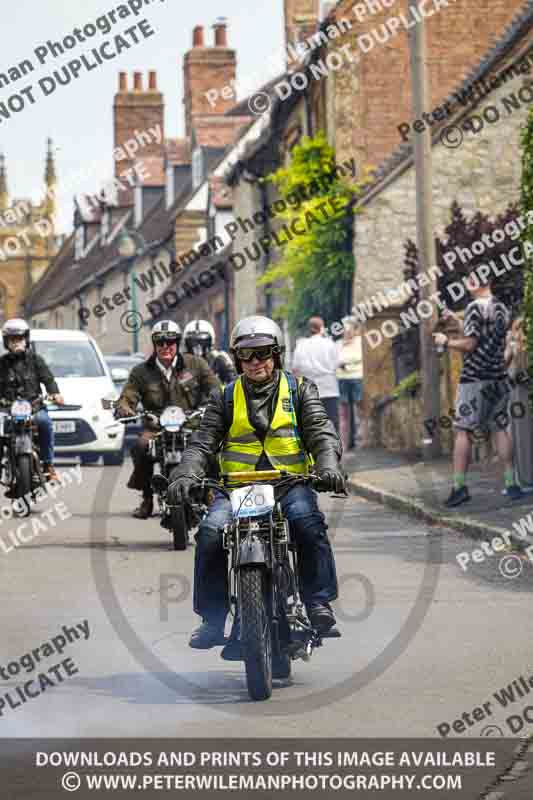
265, 578
166, 451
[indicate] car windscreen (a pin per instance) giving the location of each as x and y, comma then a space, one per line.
119, 363
70, 359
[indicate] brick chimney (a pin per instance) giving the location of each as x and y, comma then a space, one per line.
301, 20
137, 109
208, 68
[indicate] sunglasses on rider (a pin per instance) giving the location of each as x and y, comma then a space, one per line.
261, 353
163, 341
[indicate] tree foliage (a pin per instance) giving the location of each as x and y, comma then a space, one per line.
316, 267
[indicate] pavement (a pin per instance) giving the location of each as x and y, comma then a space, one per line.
420, 489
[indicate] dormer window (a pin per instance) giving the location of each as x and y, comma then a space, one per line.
197, 167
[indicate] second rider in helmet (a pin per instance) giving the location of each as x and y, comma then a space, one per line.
166, 378
199, 339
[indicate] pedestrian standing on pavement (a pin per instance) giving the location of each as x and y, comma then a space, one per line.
483, 391
315, 358
516, 359
350, 377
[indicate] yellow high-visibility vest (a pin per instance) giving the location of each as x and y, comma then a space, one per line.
283, 446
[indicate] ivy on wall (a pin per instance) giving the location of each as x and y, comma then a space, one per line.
526, 201
316, 267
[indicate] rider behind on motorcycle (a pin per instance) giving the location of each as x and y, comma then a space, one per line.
260, 430
166, 378
199, 336
21, 373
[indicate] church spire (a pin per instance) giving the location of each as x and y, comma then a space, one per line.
50, 173
4, 196
51, 180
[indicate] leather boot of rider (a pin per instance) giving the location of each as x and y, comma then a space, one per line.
146, 509
49, 473
143, 467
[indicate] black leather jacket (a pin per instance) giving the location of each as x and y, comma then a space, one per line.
316, 430
22, 374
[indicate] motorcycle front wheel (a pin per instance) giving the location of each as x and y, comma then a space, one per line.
256, 633
178, 526
23, 477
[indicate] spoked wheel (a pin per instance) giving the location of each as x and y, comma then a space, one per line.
24, 487
256, 634
178, 526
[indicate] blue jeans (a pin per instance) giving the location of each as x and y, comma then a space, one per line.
315, 556
45, 430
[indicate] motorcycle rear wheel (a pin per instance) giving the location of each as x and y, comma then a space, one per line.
256, 633
178, 526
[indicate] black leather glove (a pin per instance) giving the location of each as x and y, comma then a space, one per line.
332, 480
179, 490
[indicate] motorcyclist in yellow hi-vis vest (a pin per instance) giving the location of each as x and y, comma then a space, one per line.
255, 425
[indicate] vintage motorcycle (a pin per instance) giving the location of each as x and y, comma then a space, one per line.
20, 464
166, 450
264, 577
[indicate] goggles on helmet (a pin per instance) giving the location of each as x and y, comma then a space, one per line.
261, 353
164, 339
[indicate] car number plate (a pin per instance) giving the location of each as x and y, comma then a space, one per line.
252, 501
64, 426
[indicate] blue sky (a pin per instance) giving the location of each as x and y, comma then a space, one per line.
78, 117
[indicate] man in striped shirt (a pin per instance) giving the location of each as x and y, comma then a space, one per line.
483, 391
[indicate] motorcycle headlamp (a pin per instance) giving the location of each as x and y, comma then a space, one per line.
172, 418
21, 409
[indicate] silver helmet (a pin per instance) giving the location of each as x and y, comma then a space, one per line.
199, 336
166, 329
16, 327
258, 332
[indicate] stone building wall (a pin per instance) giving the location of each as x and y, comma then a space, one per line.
483, 174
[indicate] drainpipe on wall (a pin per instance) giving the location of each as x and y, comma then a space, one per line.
267, 231
81, 323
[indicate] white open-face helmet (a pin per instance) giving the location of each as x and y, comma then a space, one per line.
16, 327
199, 337
258, 332
166, 330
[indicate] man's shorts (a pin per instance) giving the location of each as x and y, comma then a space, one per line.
482, 406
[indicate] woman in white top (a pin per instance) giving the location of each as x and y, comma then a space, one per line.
350, 377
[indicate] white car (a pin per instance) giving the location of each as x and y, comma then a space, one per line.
83, 378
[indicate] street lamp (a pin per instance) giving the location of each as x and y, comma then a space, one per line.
131, 244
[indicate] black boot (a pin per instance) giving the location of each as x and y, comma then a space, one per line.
321, 617
232, 650
207, 635
146, 508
